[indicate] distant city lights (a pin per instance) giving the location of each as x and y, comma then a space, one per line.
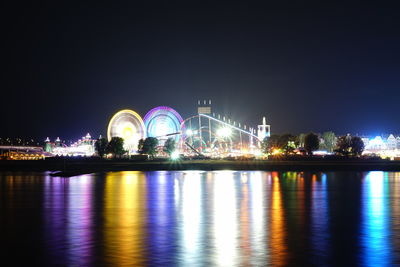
203, 135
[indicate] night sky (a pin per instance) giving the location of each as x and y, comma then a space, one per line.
306, 68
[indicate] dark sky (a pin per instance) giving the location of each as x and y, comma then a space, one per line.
306, 68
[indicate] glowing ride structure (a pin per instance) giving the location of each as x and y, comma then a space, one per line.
128, 125
214, 136
204, 134
163, 122
201, 134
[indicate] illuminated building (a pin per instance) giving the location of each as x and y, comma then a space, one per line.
82, 147
391, 142
21, 153
47, 145
376, 144
365, 140
264, 130
385, 147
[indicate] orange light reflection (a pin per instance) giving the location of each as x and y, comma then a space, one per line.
124, 231
277, 225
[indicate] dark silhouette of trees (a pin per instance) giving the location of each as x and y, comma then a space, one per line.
343, 145
270, 143
287, 143
149, 146
329, 141
101, 146
140, 145
301, 139
349, 145
311, 143
169, 146
357, 145
116, 146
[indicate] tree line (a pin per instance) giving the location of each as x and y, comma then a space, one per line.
115, 147
346, 145
148, 146
287, 144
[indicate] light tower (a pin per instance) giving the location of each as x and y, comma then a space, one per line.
204, 107
58, 142
264, 130
48, 147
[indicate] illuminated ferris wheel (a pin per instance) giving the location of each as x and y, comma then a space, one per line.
162, 122
129, 125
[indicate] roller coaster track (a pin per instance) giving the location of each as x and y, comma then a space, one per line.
195, 151
223, 123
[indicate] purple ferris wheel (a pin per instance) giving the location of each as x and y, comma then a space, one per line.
163, 122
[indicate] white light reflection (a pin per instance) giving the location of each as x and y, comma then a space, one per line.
258, 219
190, 206
225, 220
161, 198
177, 191
80, 219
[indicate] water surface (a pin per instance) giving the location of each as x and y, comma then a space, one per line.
192, 218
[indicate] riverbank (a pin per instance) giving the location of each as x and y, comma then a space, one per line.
71, 167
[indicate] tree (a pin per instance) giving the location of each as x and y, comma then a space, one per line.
101, 146
287, 143
301, 139
270, 143
311, 143
149, 146
140, 145
329, 139
349, 145
357, 146
169, 146
116, 146
343, 145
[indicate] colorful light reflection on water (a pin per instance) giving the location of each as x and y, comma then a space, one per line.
375, 226
221, 218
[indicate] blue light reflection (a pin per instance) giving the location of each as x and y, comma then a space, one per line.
375, 233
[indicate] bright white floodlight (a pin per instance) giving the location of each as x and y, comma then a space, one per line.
189, 132
175, 155
224, 132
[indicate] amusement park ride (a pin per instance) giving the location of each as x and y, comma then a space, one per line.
202, 134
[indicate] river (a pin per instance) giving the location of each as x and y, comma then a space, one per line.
200, 218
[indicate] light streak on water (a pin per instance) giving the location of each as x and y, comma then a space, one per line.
222, 218
375, 225
320, 218
225, 228
191, 218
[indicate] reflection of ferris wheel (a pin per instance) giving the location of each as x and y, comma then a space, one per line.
128, 125
162, 121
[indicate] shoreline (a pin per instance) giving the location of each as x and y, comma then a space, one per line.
73, 167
